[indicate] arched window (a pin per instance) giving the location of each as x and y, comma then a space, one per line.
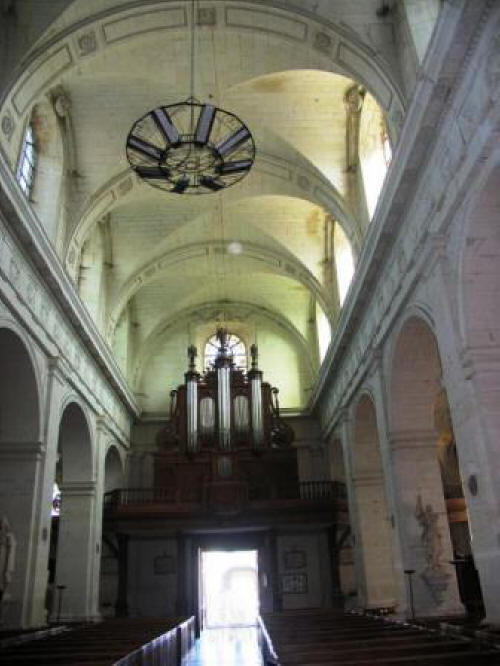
323, 331
386, 144
27, 161
344, 261
374, 151
237, 350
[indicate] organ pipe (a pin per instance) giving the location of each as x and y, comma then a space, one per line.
224, 403
192, 379
255, 378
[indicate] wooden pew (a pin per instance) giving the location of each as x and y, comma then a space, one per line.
122, 642
332, 638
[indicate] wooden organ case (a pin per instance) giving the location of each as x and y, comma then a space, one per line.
225, 444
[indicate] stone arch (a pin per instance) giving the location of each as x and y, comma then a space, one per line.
415, 377
206, 310
474, 404
114, 469
282, 177
21, 453
75, 539
114, 478
162, 361
284, 264
70, 40
75, 444
371, 506
20, 412
415, 384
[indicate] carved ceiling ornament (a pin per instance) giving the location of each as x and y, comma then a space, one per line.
8, 125
87, 43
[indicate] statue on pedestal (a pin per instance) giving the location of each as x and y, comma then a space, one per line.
434, 575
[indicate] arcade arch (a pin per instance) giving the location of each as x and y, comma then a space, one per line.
74, 542
114, 474
415, 384
19, 392
20, 453
475, 401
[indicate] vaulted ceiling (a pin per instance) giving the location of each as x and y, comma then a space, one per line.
258, 247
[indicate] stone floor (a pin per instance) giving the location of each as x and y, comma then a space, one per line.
226, 647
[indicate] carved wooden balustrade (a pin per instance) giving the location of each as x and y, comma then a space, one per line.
242, 500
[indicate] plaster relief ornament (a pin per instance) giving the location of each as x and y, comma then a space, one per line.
8, 126
434, 575
323, 42
207, 16
7, 556
87, 43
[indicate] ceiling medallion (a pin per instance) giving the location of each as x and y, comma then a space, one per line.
190, 148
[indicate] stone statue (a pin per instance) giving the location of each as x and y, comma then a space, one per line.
7, 555
434, 575
431, 538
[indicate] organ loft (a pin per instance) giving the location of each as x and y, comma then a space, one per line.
225, 475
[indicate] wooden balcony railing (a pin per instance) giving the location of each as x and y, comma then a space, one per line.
306, 491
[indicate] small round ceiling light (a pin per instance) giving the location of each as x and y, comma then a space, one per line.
235, 247
190, 148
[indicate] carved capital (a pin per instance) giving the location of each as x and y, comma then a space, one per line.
61, 102
353, 99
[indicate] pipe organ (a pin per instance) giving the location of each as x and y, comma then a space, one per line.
225, 442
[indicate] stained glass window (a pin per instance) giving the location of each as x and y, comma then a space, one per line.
27, 162
237, 350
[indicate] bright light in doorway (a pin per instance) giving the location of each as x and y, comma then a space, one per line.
230, 588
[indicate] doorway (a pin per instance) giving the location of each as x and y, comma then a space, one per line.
229, 588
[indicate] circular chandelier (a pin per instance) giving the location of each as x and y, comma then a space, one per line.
190, 148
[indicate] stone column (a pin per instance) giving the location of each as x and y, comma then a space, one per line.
476, 424
27, 473
121, 608
76, 550
374, 542
102, 436
20, 471
337, 596
353, 102
345, 435
423, 523
390, 485
472, 381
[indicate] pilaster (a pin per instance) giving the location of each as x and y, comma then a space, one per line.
76, 550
